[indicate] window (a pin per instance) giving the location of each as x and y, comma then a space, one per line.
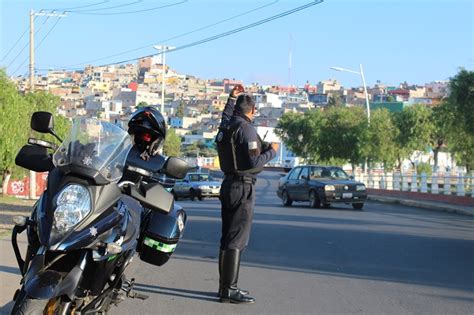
315, 172
199, 177
295, 173
304, 172
338, 173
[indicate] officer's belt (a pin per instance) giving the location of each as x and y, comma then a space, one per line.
242, 178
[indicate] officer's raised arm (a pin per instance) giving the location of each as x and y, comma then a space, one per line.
229, 106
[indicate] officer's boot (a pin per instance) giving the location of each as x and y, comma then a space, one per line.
221, 262
230, 293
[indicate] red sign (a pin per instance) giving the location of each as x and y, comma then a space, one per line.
21, 187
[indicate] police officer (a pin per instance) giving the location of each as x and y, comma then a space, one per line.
242, 155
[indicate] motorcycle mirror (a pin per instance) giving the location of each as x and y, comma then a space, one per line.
42, 122
176, 167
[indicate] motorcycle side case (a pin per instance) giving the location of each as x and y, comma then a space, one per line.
160, 235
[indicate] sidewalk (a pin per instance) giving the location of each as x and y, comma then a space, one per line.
453, 204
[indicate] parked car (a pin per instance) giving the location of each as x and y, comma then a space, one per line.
321, 186
196, 185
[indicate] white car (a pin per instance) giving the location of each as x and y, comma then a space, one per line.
196, 185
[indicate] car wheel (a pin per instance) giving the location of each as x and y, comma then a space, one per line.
358, 206
314, 201
285, 199
200, 198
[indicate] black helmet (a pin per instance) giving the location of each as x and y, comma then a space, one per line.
148, 128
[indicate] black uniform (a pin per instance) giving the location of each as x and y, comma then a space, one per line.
242, 155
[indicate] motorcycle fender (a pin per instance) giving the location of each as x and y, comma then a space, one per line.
47, 284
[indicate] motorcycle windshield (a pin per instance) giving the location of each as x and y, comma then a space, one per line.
96, 145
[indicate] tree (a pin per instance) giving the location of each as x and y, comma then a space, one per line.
415, 130
335, 100
454, 135
12, 126
300, 133
379, 142
342, 136
453, 121
180, 109
15, 115
191, 150
142, 104
442, 118
461, 145
461, 99
172, 146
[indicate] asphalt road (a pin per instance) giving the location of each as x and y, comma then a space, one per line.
387, 259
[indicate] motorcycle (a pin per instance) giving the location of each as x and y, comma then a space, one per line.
91, 220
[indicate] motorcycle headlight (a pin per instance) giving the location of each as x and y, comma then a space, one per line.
329, 188
73, 204
360, 187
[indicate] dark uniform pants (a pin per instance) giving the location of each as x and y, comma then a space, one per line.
237, 200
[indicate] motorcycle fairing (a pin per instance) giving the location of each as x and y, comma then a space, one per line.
46, 284
103, 213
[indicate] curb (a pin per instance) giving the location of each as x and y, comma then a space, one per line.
435, 206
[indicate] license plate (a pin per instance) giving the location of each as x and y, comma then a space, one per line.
346, 195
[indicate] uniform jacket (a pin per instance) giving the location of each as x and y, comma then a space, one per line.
249, 154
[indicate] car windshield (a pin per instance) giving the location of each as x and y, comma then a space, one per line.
199, 178
328, 172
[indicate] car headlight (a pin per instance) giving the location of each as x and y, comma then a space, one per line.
181, 222
73, 204
329, 188
360, 187
204, 187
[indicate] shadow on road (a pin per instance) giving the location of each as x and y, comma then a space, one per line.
8, 269
364, 246
190, 294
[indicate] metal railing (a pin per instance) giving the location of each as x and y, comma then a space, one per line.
436, 183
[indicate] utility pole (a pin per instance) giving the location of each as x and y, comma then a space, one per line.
32, 51
163, 49
32, 76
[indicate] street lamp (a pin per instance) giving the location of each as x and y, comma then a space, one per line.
361, 73
163, 49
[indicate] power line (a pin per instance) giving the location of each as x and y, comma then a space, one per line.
131, 12
175, 37
80, 7
228, 33
108, 8
50, 30
14, 45
39, 44
27, 43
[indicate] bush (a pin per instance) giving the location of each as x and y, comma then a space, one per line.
424, 168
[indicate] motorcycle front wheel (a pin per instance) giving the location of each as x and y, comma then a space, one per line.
28, 306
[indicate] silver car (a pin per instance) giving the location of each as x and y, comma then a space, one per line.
196, 185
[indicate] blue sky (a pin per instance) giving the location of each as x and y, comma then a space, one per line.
417, 41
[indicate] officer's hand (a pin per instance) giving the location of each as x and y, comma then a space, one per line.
237, 90
275, 146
